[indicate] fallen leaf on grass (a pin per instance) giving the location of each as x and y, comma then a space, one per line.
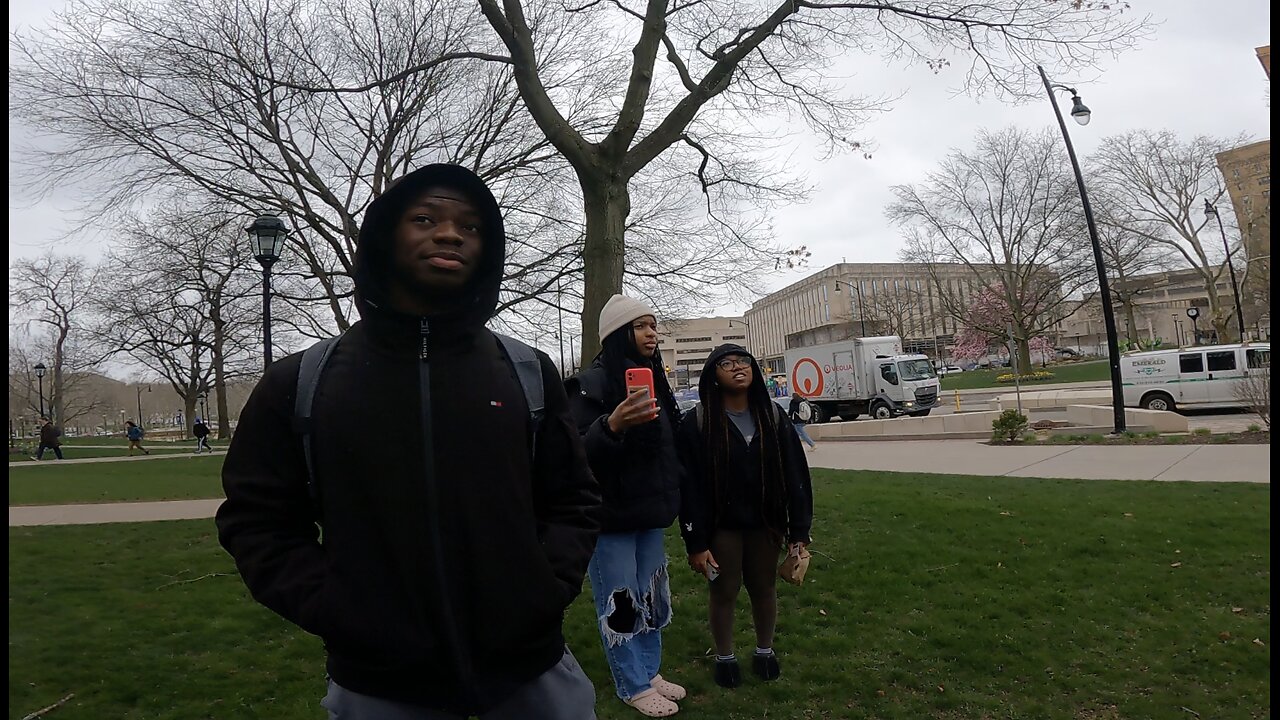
880, 693
1177, 564
1224, 635
1259, 643
1128, 514
1006, 513
822, 612
1237, 610
941, 689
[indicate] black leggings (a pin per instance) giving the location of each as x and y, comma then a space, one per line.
746, 557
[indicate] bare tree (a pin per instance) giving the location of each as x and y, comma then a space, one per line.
727, 63
897, 309
1128, 256
187, 96
1009, 212
201, 256
1156, 185
1254, 392
53, 293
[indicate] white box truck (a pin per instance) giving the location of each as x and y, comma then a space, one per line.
1190, 377
863, 376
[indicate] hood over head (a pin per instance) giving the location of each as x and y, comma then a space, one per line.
707, 381
476, 302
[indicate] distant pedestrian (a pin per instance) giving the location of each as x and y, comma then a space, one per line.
49, 439
134, 433
793, 411
201, 431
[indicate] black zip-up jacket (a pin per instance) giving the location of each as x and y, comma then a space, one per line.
450, 550
50, 435
641, 488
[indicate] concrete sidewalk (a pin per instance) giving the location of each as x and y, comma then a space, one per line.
94, 514
120, 458
1199, 463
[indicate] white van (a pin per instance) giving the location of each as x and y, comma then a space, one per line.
1190, 377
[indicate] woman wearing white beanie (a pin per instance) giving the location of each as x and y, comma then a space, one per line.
630, 442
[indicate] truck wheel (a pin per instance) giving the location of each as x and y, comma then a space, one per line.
817, 415
881, 411
920, 413
1159, 401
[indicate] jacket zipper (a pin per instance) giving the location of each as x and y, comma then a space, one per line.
460, 651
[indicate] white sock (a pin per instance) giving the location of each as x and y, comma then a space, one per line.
726, 658
764, 651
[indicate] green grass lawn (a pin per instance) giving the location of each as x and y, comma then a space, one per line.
1067, 373
181, 478
942, 597
119, 439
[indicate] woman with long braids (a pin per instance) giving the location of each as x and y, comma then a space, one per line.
630, 442
746, 493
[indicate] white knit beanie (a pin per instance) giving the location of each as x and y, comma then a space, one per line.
619, 311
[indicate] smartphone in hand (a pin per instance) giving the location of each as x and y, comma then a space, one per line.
712, 572
640, 378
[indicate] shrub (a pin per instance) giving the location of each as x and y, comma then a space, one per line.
1037, 376
1254, 391
1202, 432
1009, 426
1255, 428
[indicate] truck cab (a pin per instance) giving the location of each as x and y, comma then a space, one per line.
905, 385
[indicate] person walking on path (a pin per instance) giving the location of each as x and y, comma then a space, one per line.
746, 491
630, 441
793, 413
201, 431
50, 439
440, 585
134, 433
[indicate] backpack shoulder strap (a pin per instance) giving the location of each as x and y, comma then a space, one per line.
700, 416
529, 372
314, 359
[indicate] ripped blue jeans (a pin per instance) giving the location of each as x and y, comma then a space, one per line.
633, 603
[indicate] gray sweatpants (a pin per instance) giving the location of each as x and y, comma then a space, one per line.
562, 693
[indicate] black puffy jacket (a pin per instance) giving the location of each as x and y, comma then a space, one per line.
640, 487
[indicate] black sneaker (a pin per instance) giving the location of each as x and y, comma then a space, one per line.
766, 666
728, 674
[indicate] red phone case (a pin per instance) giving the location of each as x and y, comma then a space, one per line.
640, 377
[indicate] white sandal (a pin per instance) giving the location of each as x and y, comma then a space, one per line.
651, 703
667, 689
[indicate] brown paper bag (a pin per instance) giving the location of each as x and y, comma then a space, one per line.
795, 565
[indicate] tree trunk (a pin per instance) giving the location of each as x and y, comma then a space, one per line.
188, 413
1024, 357
1131, 323
607, 203
219, 370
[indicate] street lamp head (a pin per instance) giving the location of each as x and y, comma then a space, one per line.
1079, 110
1209, 209
267, 235
40, 369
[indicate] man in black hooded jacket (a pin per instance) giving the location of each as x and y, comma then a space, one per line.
452, 546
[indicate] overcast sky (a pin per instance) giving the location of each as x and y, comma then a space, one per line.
1199, 75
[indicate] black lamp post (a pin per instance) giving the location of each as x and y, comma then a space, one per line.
267, 235
1081, 114
140, 389
862, 315
1194, 313
40, 370
1211, 211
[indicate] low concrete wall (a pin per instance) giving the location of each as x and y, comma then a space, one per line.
978, 423
1042, 399
1101, 415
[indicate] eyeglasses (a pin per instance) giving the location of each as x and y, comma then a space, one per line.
729, 363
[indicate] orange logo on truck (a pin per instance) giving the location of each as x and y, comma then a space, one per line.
808, 384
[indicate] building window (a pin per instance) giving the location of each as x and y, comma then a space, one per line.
697, 339
735, 337
693, 351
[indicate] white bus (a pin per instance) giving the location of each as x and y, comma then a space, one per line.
1193, 377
